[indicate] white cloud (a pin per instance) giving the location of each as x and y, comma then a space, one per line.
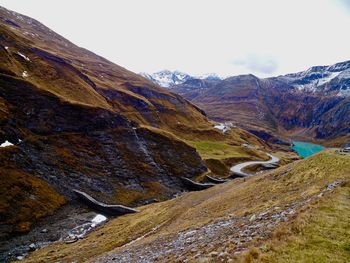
200, 36
257, 64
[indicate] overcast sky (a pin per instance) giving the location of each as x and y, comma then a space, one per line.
266, 38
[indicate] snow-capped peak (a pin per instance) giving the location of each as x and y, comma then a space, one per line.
167, 78
333, 79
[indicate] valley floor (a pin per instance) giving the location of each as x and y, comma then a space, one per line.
263, 218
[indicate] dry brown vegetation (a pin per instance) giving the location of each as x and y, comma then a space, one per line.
84, 119
320, 233
24, 199
292, 183
71, 102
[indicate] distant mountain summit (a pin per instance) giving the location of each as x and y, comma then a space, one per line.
333, 79
327, 80
313, 103
167, 78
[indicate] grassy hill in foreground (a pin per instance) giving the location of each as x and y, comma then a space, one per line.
295, 213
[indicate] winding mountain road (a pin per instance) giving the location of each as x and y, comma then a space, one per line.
237, 169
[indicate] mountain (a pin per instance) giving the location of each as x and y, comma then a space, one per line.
70, 119
311, 104
330, 80
167, 78
78, 121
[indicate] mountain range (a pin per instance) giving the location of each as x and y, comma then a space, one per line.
167, 78
100, 164
312, 104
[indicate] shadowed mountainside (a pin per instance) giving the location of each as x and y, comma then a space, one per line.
78, 121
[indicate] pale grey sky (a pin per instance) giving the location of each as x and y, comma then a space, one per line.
266, 38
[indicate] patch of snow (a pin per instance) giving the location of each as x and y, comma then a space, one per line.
248, 146
300, 87
167, 78
6, 144
25, 74
6, 48
98, 219
19, 17
82, 230
23, 56
221, 126
344, 93
321, 78
344, 74
224, 127
327, 78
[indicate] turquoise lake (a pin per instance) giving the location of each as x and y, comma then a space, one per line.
305, 149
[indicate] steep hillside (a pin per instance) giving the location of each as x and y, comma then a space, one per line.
75, 120
38, 55
310, 104
273, 212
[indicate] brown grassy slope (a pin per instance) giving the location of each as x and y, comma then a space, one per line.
53, 92
46, 121
321, 233
24, 199
220, 156
234, 99
222, 150
79, 76
337, 142
286, 185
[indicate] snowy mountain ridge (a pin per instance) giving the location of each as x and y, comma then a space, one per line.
333, 79
327, 80
167, 78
